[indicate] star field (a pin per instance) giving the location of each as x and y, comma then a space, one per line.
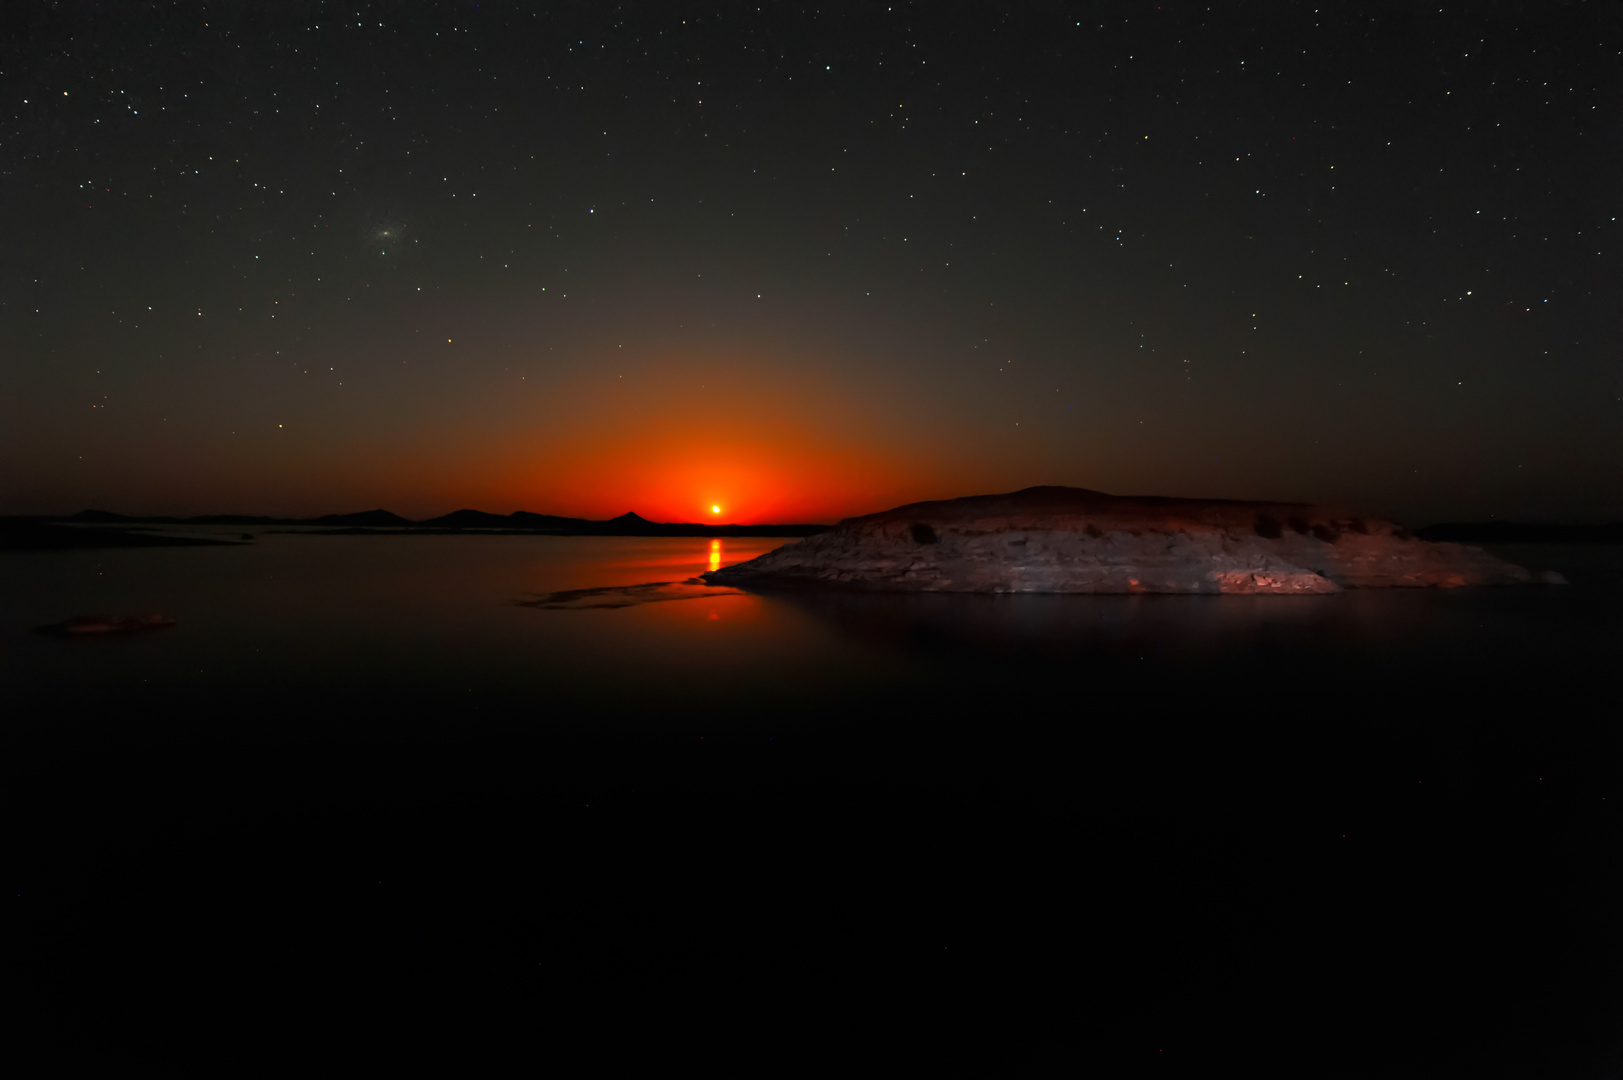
585, 259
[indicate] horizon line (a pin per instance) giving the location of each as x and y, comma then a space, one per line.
284, 519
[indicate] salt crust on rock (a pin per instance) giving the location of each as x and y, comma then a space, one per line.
1071, 540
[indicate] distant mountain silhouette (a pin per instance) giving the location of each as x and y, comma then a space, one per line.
38, 532
628, 524
372, 518
369, 521
523, 519
100, 517
469, 519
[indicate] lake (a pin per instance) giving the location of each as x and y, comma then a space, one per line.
1374, 833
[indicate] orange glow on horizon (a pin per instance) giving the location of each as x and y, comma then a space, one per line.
683, 438
663, 476
702, 438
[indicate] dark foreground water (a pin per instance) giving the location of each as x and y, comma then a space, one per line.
1368, 835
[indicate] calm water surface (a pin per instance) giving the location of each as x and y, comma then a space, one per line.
1368, 834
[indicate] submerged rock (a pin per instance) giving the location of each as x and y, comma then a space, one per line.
101, 625
1071, 540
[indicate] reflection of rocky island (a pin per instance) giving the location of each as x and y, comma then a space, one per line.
1070, 540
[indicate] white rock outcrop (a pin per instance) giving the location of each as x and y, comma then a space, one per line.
1071, 540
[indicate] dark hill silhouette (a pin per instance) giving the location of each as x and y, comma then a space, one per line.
372, 518
628, 524
523, 519
469, 519
100, 517
370, 521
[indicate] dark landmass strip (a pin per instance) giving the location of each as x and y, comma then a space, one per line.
106, 517
1508, 532
596, 529
32, 534
366, 517
48, 533
628, 524
384, 522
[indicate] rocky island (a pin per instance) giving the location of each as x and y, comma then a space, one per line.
1071, 540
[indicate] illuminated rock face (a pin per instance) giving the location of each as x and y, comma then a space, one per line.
1070, 540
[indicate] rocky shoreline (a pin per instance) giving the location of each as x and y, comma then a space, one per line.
1072, 540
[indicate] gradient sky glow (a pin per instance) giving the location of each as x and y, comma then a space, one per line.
583, 259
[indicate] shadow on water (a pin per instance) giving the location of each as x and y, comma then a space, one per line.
1367, 834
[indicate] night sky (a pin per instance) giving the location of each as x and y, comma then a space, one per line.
803, 262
